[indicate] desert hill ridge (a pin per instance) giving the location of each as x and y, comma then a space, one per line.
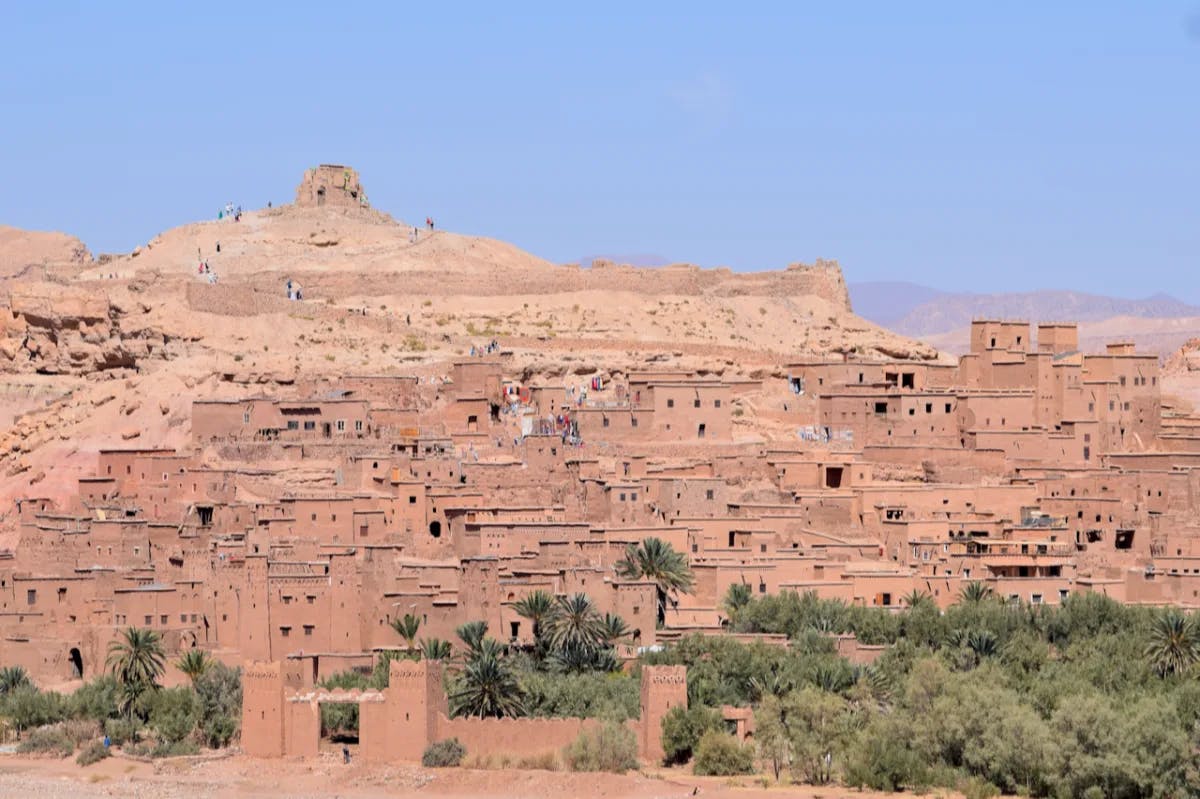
111, 351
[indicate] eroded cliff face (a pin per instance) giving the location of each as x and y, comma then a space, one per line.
49, 328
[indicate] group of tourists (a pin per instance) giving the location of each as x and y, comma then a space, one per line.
488, 349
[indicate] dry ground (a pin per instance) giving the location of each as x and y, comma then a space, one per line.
327, 777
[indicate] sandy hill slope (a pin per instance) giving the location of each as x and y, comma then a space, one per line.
111, 352
22, 249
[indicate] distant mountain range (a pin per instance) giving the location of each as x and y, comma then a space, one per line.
920, 311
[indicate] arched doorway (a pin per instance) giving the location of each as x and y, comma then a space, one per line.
435, 528
76, 664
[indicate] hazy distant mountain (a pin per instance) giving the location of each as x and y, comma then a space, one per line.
887, 302
921, 311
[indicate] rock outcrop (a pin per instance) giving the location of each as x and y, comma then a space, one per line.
55, 329
22, 249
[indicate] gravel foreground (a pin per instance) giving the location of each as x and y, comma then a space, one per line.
328, 778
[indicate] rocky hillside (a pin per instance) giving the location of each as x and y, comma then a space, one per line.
111, 351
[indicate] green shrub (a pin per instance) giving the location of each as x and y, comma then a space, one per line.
443, 754
722, 755
92, 753
219, 691
27, 707
60, 739
174, 714
96, 699
883, 759
162, 749
175, 749
50, 740
611, 747
682, 729
976, 788
613, 697
339, 719
121, 731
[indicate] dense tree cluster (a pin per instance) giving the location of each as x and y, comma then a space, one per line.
1092, 698
127, 705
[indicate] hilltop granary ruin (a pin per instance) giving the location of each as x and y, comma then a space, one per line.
280, 515
332, 185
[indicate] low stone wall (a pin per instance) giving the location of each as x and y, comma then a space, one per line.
237, 300
516, 737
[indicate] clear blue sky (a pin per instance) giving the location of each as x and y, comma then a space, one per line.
963, 145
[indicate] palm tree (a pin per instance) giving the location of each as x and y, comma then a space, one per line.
407, 628
12, 678
657, 561
773, 684
982, 643
1174, 645
472, 634
537, 607
136, 659
917, 599
194, 663
737, 597
435, 649
486, 687
975, 592
612, 629
574, 624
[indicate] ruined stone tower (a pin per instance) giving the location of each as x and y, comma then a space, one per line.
331, 184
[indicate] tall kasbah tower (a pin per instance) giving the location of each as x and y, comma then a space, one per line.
663, 687
262, 709
344, 594
254, 612
401, 727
